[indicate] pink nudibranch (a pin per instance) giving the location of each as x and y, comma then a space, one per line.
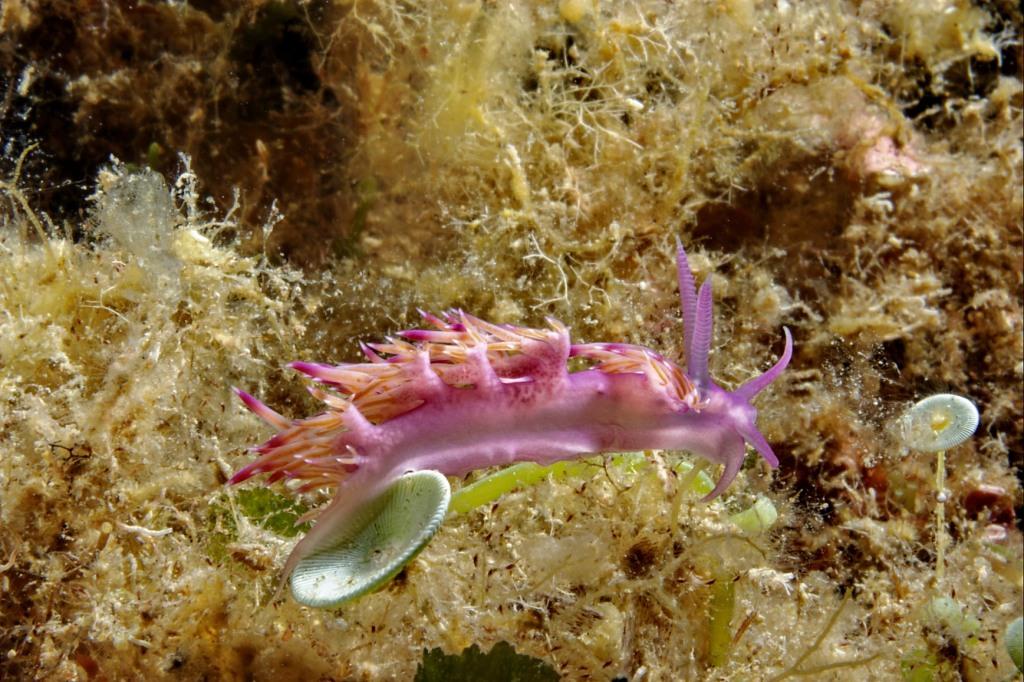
470, 394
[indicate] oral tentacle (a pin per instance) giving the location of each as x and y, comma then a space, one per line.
758, 384
750, 434
733, 463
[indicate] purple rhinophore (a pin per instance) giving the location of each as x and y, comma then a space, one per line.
470, 394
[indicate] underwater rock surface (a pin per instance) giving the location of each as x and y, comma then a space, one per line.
296, 178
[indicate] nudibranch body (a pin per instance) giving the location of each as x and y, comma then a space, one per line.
469, 394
